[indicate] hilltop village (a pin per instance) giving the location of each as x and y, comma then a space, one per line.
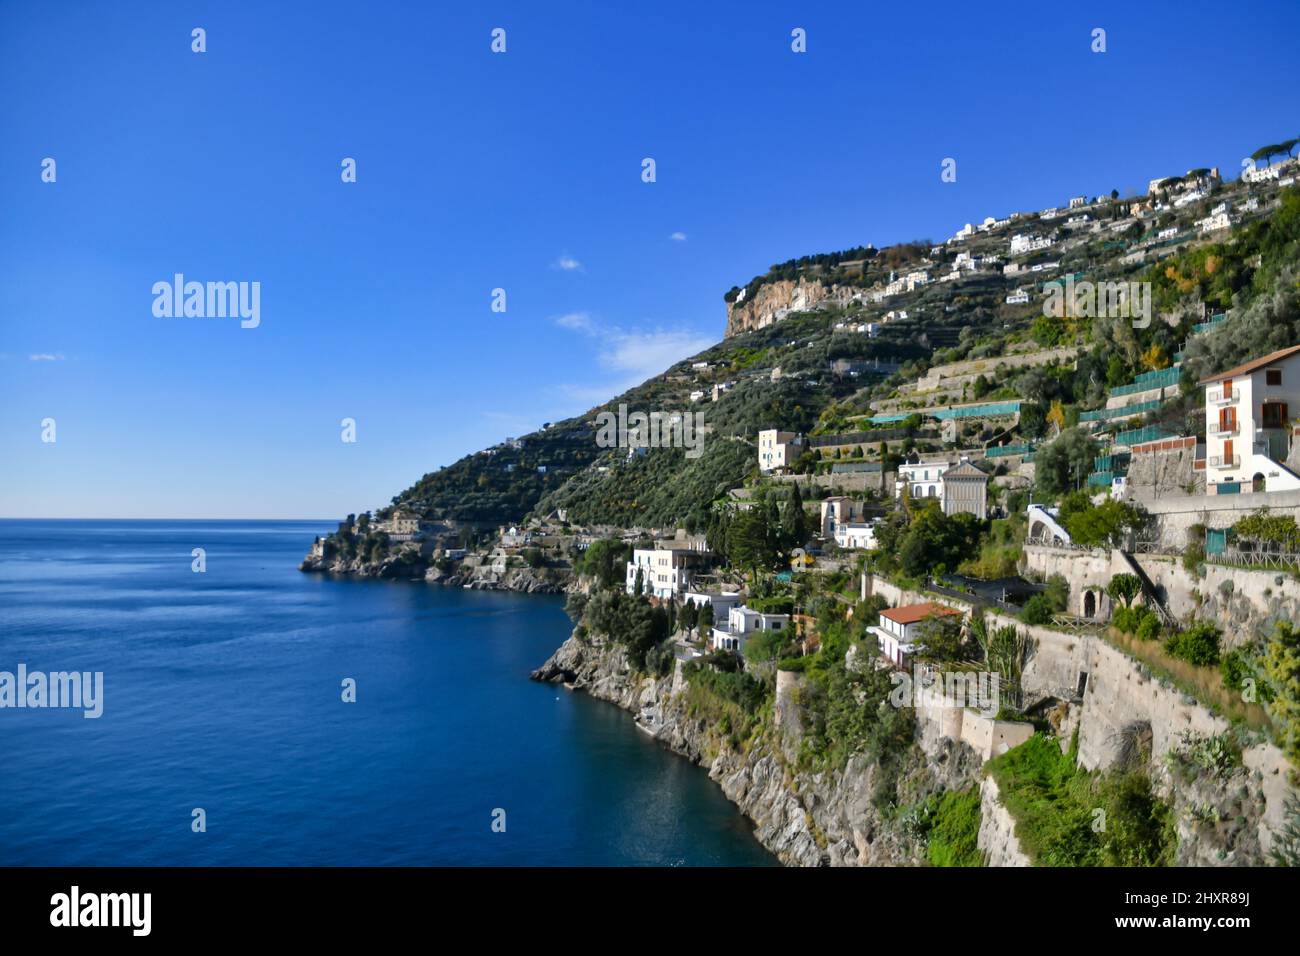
1044, 470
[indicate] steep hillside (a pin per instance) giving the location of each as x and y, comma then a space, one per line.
824, 342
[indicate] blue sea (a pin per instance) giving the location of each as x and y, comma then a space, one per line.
223, 691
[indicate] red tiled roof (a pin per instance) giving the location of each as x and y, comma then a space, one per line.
1251, 366
911, 613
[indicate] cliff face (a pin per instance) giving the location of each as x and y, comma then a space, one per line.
805, 819
480, 578
775, 300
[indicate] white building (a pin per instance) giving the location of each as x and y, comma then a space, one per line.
1248, 425
720, 602
900, 627
1078, 202
922, 479
1022, 243
856, 535
1214, 223
1019, 297
1261, 175
778, 449
665, 572
402, 522
742, 623
838, 510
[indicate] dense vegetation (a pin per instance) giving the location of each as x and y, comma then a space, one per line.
1066, 816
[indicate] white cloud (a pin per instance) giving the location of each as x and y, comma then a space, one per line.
567, 263
578, 321
630, 357
678, 237
46, 357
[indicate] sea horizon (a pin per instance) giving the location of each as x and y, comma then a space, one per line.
222, 693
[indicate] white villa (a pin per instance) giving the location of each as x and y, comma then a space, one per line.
1025, 243
899, 628
856, 535
836, 511
1248, 425
741, 623
665, 572
401, 524
922, 479
1214, 223
778, 449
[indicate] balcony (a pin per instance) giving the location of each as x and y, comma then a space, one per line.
1224, 396
1225, 429
1225, 461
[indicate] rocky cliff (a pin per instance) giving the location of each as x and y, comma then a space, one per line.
775, 300
479, 577
804, 818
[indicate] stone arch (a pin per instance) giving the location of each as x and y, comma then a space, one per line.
1089, 603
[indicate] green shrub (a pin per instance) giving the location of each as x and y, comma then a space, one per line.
1037, 610
1148, 628
954, 829
1199, 644
1234, 668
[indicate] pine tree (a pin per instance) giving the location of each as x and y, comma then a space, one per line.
794, 523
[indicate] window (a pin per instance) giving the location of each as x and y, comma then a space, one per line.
1273, 376
1273, 414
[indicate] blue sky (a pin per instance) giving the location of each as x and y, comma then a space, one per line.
477, 171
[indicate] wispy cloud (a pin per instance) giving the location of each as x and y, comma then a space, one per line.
628, 356
46, 357
578, 321
678, 237
567, 263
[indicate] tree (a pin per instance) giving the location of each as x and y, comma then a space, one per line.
689, 617
749, 545
639, 587
605, 560
1124, 587
1056, 416
1281, 670
1106, 524
939, 639
1063, 463
794, 523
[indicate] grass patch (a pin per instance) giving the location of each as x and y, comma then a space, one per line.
1205, 683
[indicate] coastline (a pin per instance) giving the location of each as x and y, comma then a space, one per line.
803, 817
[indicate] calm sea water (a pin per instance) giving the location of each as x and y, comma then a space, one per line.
222, 691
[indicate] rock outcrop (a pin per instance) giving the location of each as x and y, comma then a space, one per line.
775, 300
805, 818
480, 577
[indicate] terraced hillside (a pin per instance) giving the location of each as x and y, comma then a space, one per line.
856, 353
